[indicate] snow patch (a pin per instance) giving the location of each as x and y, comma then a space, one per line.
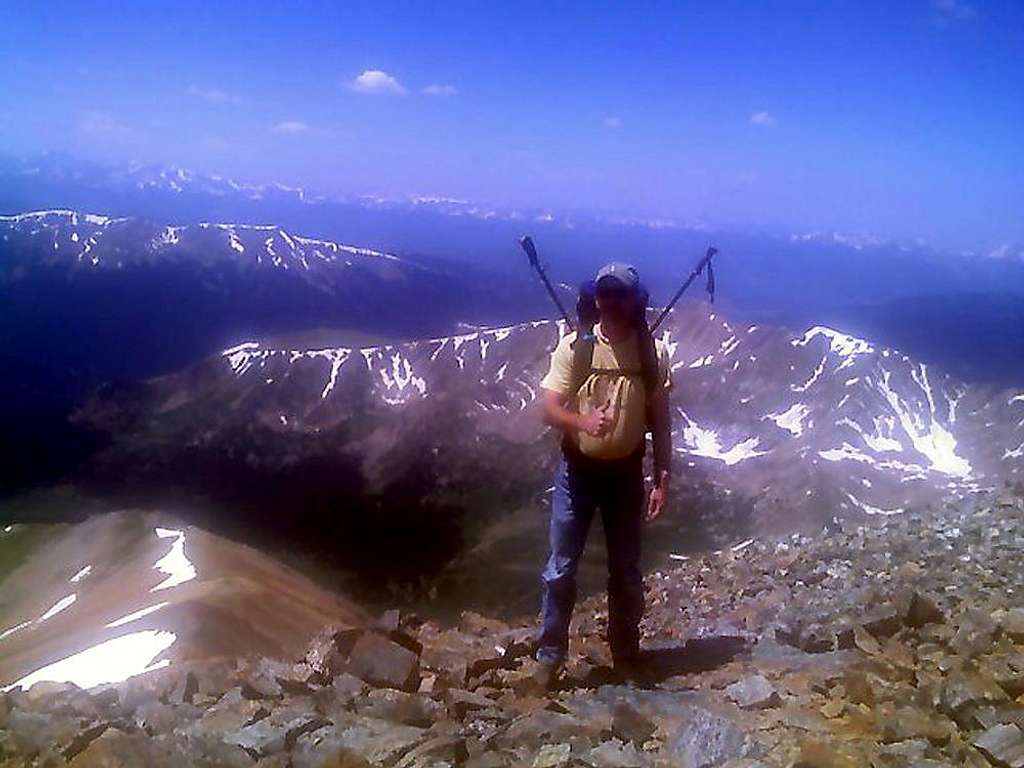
175, 563
814, 377
112, 661
791, 419
401, 376
842, 344
865, 507
930, 439
729, 345
136, 615
60, 605
705, 442
882, 439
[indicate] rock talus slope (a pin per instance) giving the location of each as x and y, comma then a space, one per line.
896, 643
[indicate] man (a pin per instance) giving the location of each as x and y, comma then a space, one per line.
604, 423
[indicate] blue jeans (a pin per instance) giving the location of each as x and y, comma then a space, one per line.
583, 486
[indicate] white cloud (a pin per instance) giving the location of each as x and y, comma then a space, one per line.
103, 126
437, 89
955, 9
1007, 251
213, 95
291, 127
376, 81
612, 122
764, 119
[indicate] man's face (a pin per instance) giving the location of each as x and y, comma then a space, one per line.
615, 302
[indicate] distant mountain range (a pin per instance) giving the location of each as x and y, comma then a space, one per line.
425, 449
92, 298
764, 269
882, 289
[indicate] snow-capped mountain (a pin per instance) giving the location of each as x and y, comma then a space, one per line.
856, 281
107, 279
91, 240
126, 298
772, 431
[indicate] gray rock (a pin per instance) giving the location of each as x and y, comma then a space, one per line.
155, 717
447, 750
923, 610
384, 664
115, 748
553, 756
260, 681
327, 651
903, 754
232, 712
630, 725
32, 732
183, 689
401, 707
616, 754
277, 732
975, 634
1013, 624
706, 739
348, 687
361, 741
461, 702
754, 692
963, 688
543, 727
1003, 745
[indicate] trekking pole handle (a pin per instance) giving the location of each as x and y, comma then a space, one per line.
526, 243
693, 276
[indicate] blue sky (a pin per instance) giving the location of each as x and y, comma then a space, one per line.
903, 119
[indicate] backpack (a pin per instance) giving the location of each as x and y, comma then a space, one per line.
583, 346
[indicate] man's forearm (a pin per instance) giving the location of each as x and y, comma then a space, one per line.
560, 417
661, 436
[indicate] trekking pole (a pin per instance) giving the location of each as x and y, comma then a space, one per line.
531, 254
704, 262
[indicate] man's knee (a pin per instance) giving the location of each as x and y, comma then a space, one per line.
627, 578
560, 569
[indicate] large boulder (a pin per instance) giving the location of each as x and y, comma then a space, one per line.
705, 739
384, 663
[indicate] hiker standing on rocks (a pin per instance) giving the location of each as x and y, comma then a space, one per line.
607, 384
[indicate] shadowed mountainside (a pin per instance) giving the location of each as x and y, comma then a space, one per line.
434, 448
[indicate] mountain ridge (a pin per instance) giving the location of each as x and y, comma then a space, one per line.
773, 432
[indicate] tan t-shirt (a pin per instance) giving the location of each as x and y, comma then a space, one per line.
624, 392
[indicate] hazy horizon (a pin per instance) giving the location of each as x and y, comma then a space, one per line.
900, 122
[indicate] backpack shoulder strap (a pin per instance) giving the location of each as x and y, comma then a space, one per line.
582, 357
648, 358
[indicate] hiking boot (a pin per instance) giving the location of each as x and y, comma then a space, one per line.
631, 669
546, 676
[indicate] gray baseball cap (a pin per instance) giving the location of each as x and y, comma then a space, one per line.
625, 275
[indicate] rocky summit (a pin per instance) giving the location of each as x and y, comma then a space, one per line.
893, 642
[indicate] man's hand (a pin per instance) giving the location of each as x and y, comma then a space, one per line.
657, 498
596, 422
